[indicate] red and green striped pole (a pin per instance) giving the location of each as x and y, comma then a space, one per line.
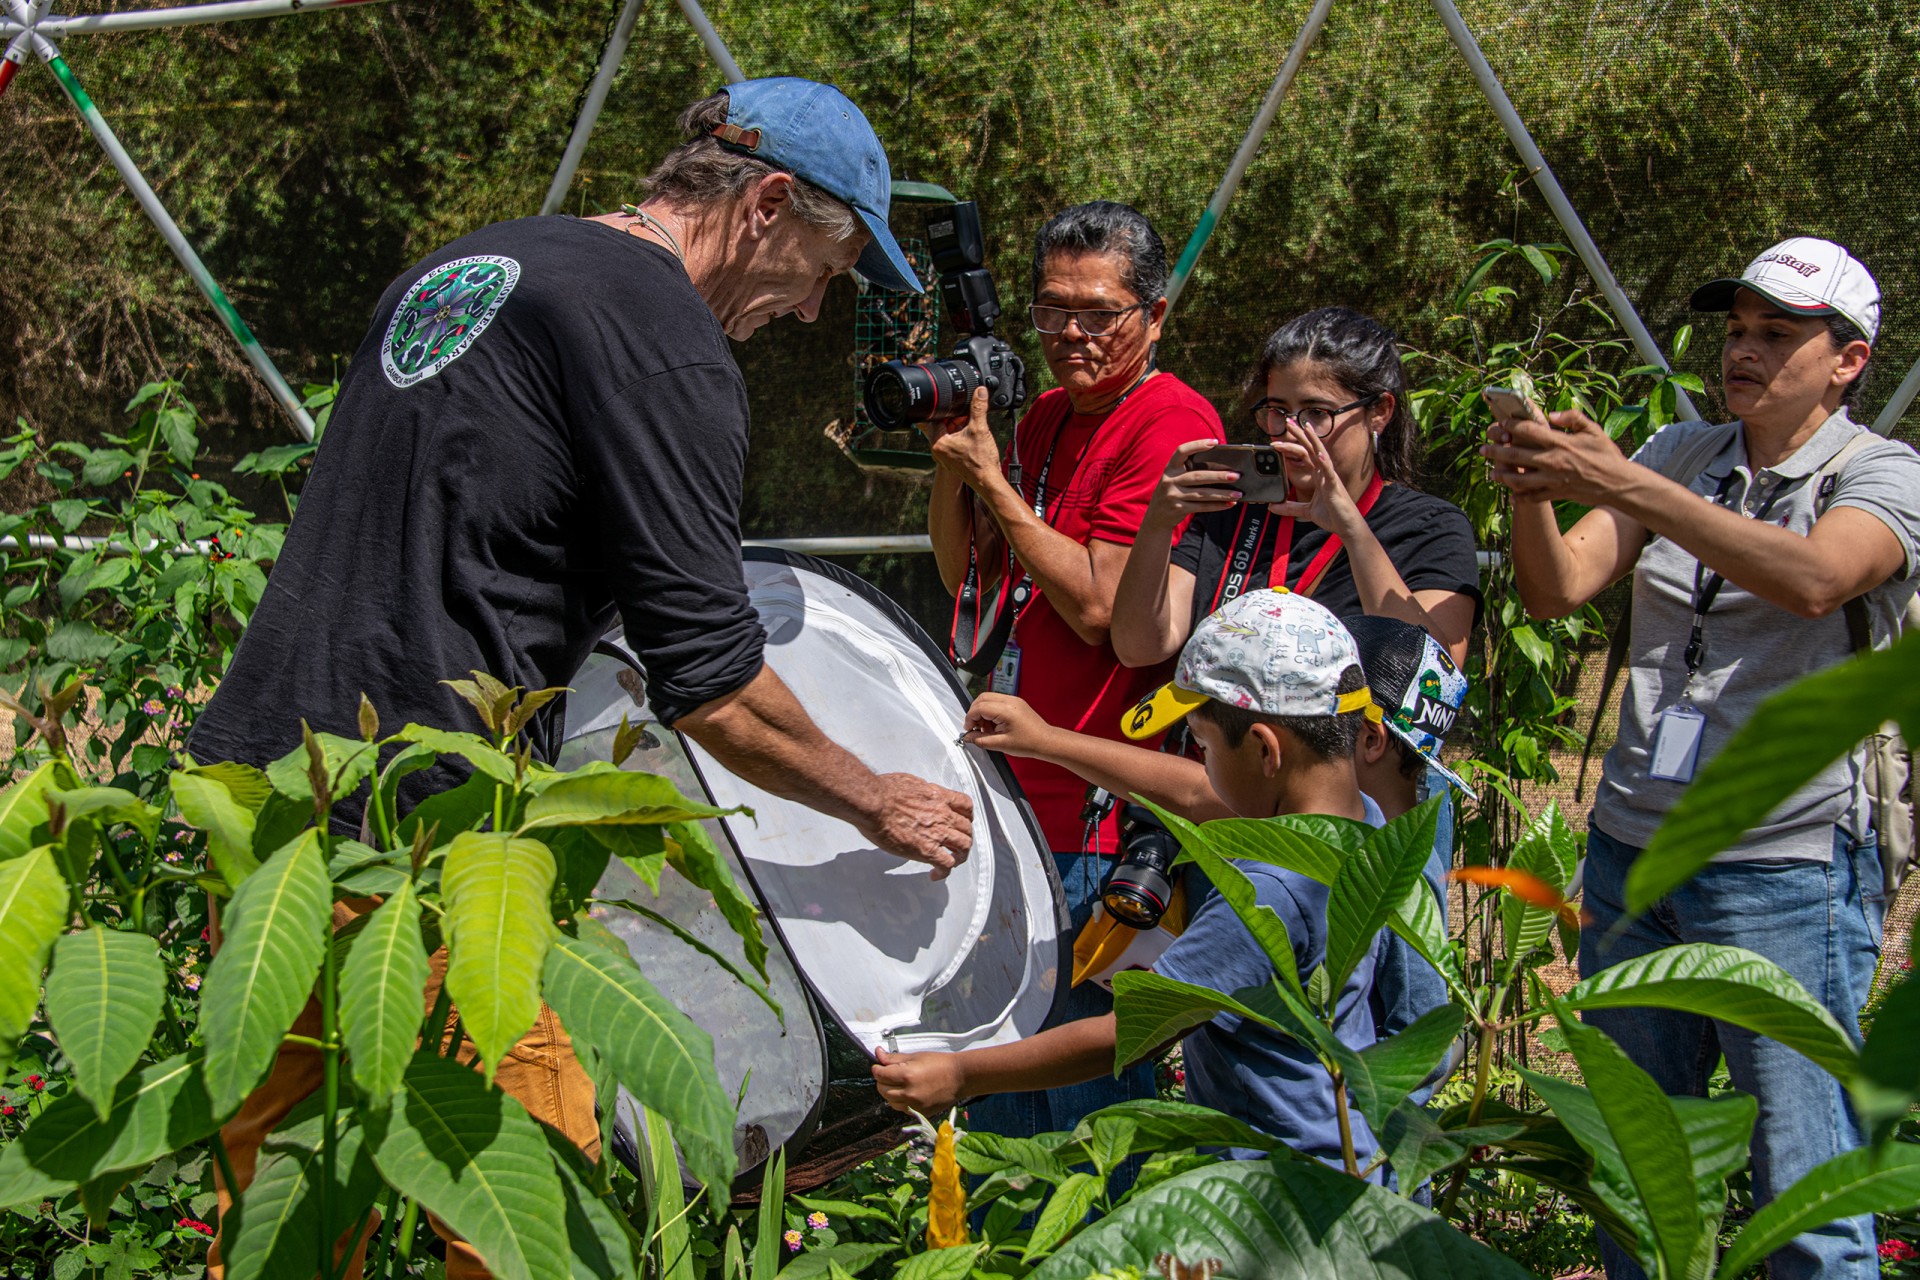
170, 232
1249, 147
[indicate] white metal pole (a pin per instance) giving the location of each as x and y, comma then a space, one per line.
1249, 147
716, 48
186, 15
590, 109
170, 232
1902, 397
1556, 199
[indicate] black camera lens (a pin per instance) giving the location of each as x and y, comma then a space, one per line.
1140, 886
1266, 462
899, 394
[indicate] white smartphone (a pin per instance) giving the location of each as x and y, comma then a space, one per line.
1508, 403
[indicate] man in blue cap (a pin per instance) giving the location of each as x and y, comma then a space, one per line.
545, 430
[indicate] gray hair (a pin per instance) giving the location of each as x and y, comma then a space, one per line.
1105, 226
705, 171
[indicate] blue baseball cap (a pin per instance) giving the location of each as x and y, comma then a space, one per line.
814, 131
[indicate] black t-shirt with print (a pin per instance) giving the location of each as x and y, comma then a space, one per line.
543, 429
1428, 540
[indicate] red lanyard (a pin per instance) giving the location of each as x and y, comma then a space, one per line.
1247, 534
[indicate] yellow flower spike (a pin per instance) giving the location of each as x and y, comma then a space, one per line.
946, 1194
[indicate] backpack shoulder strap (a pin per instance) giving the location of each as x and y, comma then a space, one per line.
1826, 480
1688, 459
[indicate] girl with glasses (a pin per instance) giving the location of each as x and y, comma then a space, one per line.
1356, 536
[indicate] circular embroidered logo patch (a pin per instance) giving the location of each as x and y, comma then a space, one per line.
441, 315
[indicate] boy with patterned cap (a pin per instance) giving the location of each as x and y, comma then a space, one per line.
1273, 689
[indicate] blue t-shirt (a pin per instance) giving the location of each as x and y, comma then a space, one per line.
1251, 1072
1405, 986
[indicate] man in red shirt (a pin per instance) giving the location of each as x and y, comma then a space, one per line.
1047, 531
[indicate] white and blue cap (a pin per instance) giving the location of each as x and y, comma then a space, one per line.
814, 131
1270, 652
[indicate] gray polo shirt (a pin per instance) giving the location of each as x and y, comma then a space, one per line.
1753, 648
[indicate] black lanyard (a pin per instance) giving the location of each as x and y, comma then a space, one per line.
969, 650
1707, 583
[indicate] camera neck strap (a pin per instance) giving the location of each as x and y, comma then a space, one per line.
979, 633
1252, 527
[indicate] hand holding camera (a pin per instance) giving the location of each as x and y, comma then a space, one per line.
899, 394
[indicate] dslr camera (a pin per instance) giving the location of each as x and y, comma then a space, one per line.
1141, 883
899, 393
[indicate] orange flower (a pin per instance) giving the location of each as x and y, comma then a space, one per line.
1524, 885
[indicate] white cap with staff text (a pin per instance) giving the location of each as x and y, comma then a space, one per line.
1807, 276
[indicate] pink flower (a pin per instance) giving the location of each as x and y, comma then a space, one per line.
1179, 1075
153, 707
192, 981
817, 1220
1897, 1250
793, 1241
174, 692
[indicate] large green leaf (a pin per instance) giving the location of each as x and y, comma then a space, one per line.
471, 1154
161, 1107
1419, 1148
1730, 984
1546, 850
1783, 744
1393, 1068
449, 813
273, 932
273, 1230
475, 750
103, 998
1278, 1219
1160, 1124
692, 853
381, 993
1315, 845
1065, 1210
1151, 1009
106, 806
249, 787
23, 806
1635, 1137
1263, 922
1381, 873
656, 1051
621, 798
1888, 1081
208, 805
1855, 1182
348, 760
33, 909
600, 1243
498, 930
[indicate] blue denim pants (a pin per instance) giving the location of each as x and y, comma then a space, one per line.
1820, 921
1025, 1115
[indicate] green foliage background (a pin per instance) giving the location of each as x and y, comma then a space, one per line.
314, 158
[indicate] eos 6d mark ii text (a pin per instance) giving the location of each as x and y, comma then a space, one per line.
899, 393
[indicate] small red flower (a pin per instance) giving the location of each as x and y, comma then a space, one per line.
194, 1224
6, 1110
1898, 1251
38, 1082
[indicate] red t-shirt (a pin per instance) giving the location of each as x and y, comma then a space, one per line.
1103, 474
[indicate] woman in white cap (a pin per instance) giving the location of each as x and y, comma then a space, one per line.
1802, 552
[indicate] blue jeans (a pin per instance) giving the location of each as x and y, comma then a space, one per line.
1820, 921
1025, 1115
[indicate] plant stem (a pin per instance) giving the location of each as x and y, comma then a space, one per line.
437, 1020
225, 1165
403, 1239
330, 1092
385, 1247
1346, 1122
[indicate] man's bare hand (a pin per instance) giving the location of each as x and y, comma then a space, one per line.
925, 1082
916, 820
967, 447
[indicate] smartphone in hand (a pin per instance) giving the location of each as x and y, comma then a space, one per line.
1508, 403
1261, 470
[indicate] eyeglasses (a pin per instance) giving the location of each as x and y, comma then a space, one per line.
1272, 417
1095, 324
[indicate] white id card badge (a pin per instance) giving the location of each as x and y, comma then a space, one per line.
1006, 672
1676, 744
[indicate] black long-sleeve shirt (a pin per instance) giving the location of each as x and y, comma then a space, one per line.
543, 428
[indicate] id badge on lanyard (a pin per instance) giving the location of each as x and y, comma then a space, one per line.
1006, 672
1676, 743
